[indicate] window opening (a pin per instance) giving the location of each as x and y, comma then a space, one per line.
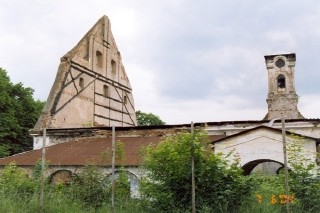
281, 82
105, 91
99, 58
125, 99
86, 49
113, 67
81, 83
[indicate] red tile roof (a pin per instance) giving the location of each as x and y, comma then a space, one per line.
88, 151
85, 151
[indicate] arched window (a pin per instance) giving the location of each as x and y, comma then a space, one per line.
113, 67
99, 58
281, 82
81, 83
105, 91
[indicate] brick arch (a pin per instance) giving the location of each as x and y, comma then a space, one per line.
61, 176
249, 166
134, 181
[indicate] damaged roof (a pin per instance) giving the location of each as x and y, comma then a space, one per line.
86, 151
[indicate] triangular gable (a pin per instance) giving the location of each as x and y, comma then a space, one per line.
267, 128
91, 86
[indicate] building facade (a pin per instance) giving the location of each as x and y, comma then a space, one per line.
92, 92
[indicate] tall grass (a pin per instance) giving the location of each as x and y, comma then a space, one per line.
60, 202
20, 194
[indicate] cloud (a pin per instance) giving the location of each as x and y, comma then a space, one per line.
309, 105
207, 110
200, 60
282, 38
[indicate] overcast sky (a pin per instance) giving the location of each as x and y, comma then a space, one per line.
186, 60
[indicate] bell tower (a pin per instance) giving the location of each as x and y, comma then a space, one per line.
282, 98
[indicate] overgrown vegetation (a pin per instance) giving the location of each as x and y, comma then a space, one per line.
304, 177
166, 187
18, 114
304, 185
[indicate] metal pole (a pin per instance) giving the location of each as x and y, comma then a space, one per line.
113, 166
286, 173
192, 171
43, 160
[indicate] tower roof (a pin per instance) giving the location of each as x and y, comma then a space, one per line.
287, 55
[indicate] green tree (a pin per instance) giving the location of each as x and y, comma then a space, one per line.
18, 114
148, 119
220, 185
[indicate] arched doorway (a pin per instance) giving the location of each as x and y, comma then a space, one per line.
263, 166
61, 176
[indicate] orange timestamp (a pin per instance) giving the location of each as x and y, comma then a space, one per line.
278, 199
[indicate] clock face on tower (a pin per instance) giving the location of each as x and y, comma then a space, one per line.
280, 63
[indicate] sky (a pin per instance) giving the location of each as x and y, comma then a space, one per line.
200, 61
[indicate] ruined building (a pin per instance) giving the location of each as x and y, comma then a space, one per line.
91, 87
92, 92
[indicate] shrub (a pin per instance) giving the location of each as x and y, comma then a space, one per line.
89, 187
15, 180
304, 179
167, 185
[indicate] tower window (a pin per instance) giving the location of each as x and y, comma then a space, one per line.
99, 58
105, 91
280, 63
281, 82
113, 67
81, 83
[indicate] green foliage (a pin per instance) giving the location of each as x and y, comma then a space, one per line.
270, 191
148, 119
304, 184
90, 194
15, 179
89, 187
167, 186
4, 150
220, 187
36, 171
122, 189
304, 177
122, 185
265, 187
18, 114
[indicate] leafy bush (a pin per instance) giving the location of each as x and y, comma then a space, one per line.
167, 185
304, 178
15, 180
89, 187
